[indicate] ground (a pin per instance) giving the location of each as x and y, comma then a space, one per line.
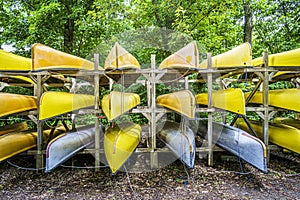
221, 181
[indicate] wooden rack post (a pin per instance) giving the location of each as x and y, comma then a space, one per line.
153, 156
209, 106
39, 155
96, 107
266, 102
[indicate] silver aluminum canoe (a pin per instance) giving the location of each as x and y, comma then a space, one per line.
62, 148
238, 142
180, 140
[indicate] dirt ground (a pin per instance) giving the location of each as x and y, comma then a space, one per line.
222, 181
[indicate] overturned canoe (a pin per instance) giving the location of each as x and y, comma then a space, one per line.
57, 103
47, 58
281, 98
15, 143
15, 103
181, 63
282, 135
237, 142
13, 128
12, 62
182, 102
187, 57
180, 140
17, 80
23, 81
117, 103
120, 58
65, 146
231, 99
240, 56
284, 75
283, 59
118, 61
119, 143
288, 121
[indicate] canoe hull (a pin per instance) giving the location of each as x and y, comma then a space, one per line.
288, 121
181, 142
278, 98
15, 103
12, 62
182, 102
62, 148
119, 143
230, 99
238, 142
47, 58
15, 143
240, 56
117, 103
57, 103
282, 135
283, 59
18, 127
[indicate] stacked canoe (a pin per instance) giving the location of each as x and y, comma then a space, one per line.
122, 138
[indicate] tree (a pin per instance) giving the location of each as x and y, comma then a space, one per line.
248, 22
74, 27
276, 26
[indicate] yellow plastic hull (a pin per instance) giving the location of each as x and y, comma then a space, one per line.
15, 103
288, 121
187, 57
182, 102
15, 143
230, 99
46, 58
119, 143
120, 58
17, 127
117, 103
282, 135
288, 58
283, 98
16, 80
57, 103
12, 62
240, 56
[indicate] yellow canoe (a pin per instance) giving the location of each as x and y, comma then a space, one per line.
15, 103
186, 57
118, 62
119, 143
12, 62
287, 58
117, 103
47, 58
288, 121
286, 75
23, 81
15, 143
57, 103
282, 135
120, 58
283, 98
231, 99
17, 127
182, 102
240, 56
17, 80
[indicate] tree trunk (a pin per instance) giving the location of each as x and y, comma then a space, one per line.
248, 22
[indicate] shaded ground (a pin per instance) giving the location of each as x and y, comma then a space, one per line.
218, 182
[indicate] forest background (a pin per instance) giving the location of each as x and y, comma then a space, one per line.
77, 27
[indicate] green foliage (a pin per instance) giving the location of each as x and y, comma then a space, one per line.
92, 26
